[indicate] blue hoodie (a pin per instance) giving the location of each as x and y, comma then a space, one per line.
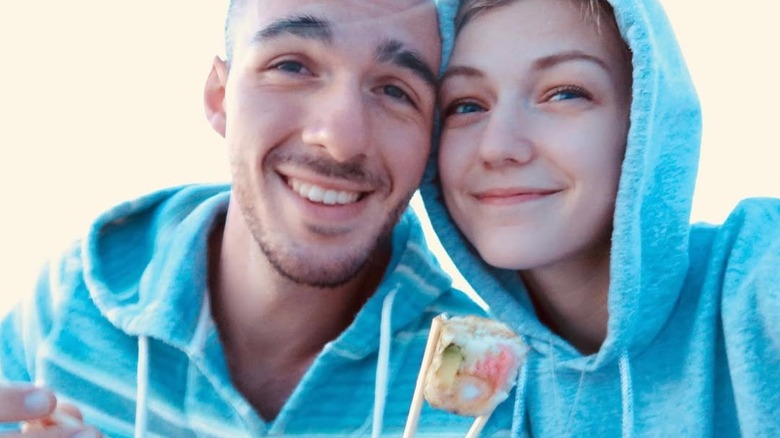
693, 337
120, 326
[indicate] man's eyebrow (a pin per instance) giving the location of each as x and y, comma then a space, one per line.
461, 70
304, 26
550, 61
393, 51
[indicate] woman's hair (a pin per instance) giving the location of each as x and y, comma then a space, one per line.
598, 11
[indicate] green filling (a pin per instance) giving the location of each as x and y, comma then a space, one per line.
451, 358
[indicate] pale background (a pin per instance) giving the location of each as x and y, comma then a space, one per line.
101, 101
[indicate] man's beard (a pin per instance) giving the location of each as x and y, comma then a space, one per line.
330, 273
333, 273
293, 262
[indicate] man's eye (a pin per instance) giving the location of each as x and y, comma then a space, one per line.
463, 108
290, 67
395, 92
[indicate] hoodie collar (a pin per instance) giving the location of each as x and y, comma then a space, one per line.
146, 266
416, 279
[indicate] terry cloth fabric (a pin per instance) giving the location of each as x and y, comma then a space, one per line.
693, 342
120, 326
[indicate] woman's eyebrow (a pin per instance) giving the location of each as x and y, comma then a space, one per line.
461, 70
550, 61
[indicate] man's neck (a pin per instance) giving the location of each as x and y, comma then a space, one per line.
271, 327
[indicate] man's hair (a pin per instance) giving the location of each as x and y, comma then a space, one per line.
598, 11
233, 11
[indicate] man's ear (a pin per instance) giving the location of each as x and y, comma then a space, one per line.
214, 95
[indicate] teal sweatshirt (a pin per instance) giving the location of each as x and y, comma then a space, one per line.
120, 326
693, 341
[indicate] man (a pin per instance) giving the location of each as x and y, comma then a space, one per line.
288, 303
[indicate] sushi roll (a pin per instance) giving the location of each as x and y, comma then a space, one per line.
474, 365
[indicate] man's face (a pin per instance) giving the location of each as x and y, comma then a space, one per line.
327, 114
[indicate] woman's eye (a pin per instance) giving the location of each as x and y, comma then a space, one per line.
463, 108
568, 93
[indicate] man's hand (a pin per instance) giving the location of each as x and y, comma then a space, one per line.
42, 417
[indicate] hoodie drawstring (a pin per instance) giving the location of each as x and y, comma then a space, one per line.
383, 364
626, 392
518, 418
142, 384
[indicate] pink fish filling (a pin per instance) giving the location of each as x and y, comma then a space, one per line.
496, 368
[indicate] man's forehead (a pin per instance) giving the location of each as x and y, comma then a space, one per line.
413, 23
260, 13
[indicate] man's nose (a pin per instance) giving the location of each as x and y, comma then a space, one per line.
338, 121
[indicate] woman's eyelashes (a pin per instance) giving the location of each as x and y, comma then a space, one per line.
462, 107
566, 92
558, 93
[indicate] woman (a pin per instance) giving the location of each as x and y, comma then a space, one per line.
566, 166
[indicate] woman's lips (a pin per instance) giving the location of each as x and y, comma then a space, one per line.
513, 195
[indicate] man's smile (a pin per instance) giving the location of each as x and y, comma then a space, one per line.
316, 193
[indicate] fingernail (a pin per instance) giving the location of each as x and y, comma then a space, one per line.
85, 434
37, 402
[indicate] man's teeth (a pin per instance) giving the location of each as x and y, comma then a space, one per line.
318, 194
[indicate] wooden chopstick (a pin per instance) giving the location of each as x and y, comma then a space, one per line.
417, 400
477, 426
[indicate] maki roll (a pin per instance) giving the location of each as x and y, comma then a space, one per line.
474, 365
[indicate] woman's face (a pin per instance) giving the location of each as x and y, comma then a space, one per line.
536, 107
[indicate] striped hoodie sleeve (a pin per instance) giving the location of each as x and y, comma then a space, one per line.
21, 331
24, 329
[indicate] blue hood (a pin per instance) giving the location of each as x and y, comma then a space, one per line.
651, 224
